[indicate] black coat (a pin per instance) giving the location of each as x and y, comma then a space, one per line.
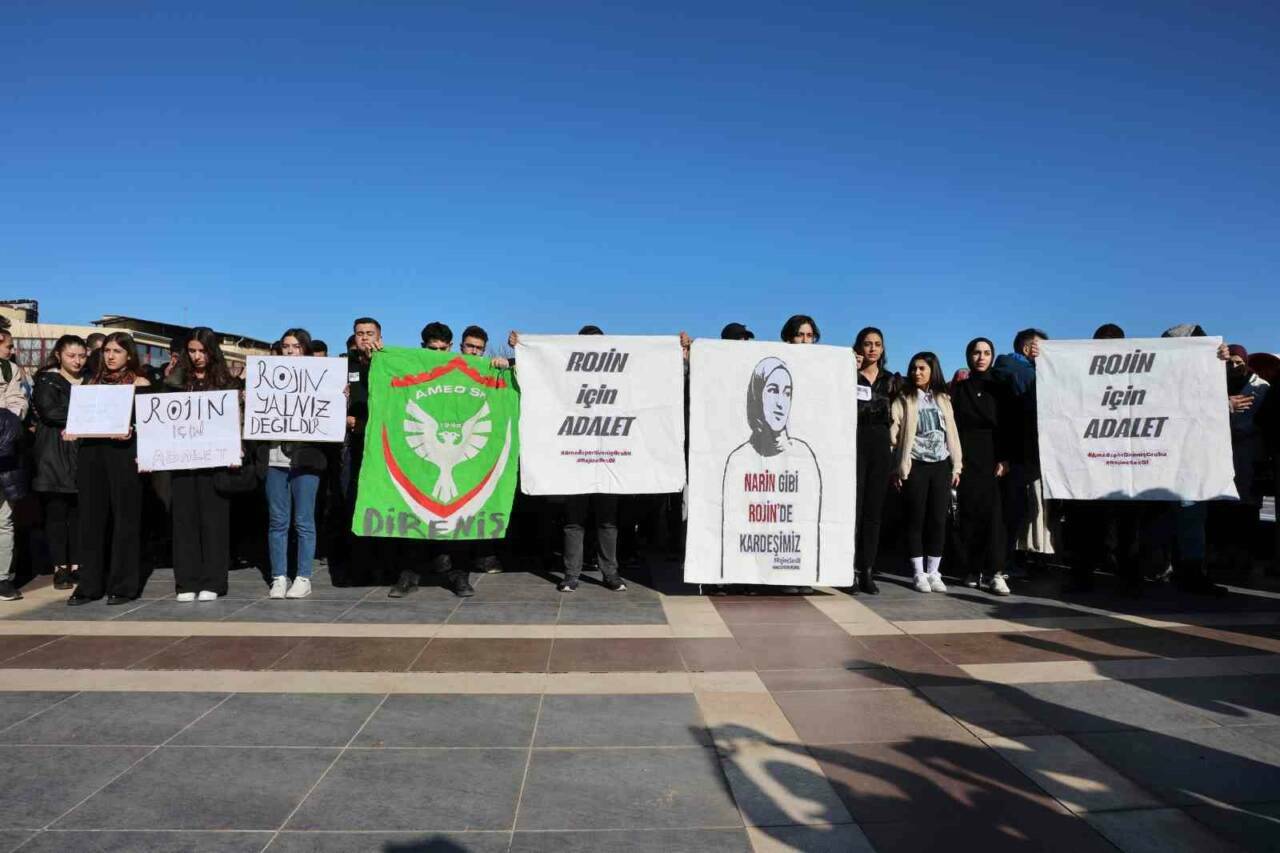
305, 457
984, 410
55, 459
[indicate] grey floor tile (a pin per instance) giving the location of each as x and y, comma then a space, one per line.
1253, 827
1097, 706
399, 611
58, 611
205, 788
626, 789
416, 789
1158, 831
322, 589
407, 720
813, 839
1246, 700
63, 841
11, 839
660, 720
1185, 767
291, 611
514, 613
281, 719
611, 613
39, 783
634, 841
108, 718
391, 842
169, 610
1266, 734
20, 704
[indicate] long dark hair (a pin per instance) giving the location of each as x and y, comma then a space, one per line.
791, 328
217, 375
132, 367
884, 351
302, 336
54, 359
937, 384
968, 354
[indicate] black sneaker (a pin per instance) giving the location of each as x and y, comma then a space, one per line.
867, 582
567, 585
117, 600
62, 578
461, 586
615, 583
407, 583
9, 592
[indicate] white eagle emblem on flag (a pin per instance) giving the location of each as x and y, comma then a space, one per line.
446, 447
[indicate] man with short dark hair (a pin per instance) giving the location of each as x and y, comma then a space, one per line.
736, 332
1024, 507
437, 336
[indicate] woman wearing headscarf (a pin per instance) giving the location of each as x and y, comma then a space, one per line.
773, 480
981, 409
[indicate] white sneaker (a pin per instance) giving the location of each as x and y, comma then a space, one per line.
186, 596
936, 584
301, 588
279, 586
998, 586
972, 581
922, 584
207, 595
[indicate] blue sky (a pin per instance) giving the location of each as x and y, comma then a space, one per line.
939, 170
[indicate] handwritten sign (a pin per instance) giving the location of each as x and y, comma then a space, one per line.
295, 398
187, 430
99, 410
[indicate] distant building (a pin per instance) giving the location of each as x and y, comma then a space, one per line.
34, 340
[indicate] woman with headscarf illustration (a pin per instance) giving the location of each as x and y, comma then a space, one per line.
772, 491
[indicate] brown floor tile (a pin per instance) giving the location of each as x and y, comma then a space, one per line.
1160, 642
785, 630
16, 644
838, 652
791, 680
449, 654
770, 610
616, 655
914, 661
866, 716
713, 655
353, 654
92, 653
1256, 637
943, 779
1044, 832
241, 653
1026, 647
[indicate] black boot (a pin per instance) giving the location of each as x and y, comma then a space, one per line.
62, 578
460, 583
1190, 576
867, 582
407, 583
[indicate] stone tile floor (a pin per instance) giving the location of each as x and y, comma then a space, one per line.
654, 720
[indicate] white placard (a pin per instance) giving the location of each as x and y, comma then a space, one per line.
187, 430
99, 410
295, 398
1134, 419
600, 414
772, 464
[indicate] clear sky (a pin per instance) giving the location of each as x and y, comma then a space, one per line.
939, 170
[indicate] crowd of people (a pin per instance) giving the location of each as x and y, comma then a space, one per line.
947, 472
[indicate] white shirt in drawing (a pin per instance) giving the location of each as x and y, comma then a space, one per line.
772, 504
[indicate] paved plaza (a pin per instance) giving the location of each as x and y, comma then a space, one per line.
651, 720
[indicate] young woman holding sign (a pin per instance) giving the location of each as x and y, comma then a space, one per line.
55, 459
201, 514
110, 491
929, 460
293, 471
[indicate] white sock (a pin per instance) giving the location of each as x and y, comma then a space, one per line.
932, 564
917, 563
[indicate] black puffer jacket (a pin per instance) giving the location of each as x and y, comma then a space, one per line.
13, 477
55, 459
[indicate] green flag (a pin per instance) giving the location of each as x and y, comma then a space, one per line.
441, 447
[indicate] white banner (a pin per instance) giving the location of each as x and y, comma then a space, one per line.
99, 410
1134, 419
295, 398
772, 466
188, 429
600, 414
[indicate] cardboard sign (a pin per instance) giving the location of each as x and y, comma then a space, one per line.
295, 398
188, 430
99, 410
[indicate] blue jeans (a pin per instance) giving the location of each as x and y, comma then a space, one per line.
290, 494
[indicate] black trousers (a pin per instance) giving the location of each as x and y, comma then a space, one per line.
980, 521
927, 496
576, 508
110, 515
201, 533
62, 527
875, 468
